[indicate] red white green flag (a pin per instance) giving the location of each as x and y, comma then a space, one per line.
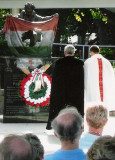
14, 29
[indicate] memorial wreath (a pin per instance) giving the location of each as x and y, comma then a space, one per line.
35, 88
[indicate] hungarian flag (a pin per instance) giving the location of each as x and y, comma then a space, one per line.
15, 28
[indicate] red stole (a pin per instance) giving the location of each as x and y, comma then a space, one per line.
100, 78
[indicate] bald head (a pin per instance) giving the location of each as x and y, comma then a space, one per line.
15, 147
66, 119
19, 146
94, 49
68, 124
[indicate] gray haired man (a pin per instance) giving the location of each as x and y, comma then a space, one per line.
68, 126
67, 84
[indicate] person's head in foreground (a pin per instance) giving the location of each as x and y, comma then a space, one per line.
69, 50
102, 149
96, 118
94, 49
14, 147
68, 126
36, 146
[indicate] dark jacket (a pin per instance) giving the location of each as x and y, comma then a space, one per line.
67, 85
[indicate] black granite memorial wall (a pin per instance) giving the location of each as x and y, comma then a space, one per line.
15, 108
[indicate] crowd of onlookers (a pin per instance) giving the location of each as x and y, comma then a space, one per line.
75, 144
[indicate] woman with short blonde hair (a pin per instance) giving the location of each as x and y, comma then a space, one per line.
96, 116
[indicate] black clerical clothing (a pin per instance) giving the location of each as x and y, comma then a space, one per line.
67, 86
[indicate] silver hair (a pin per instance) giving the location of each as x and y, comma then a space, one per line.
70, 49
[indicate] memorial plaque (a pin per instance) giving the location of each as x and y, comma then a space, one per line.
13, 104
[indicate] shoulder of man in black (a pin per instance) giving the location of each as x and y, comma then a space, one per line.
70, 60
78, 61
60, 60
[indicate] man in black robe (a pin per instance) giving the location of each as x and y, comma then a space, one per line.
67, 84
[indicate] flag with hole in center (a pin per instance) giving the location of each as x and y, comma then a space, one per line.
33, 39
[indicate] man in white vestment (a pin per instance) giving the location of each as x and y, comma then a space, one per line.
99, 79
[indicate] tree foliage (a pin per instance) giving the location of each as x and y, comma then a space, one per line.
3, 15
98, 14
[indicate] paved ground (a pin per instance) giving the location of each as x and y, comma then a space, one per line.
50, 142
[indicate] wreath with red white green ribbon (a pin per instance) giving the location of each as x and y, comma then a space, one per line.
35, 88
